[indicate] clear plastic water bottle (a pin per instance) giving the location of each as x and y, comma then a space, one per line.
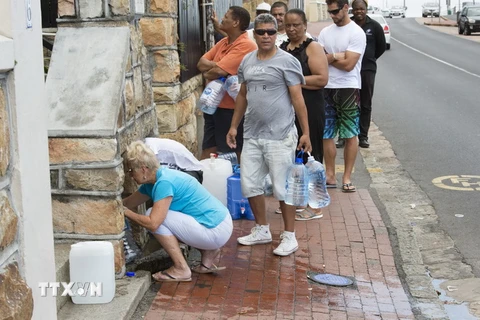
268, 189
212, 95
318, 196
232, 86
297, 184
230, 156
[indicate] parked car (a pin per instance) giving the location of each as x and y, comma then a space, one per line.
373, 10
430, 9
386, 13
386, 28
469, 20
397, 11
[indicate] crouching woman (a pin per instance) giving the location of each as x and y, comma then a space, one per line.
183, 210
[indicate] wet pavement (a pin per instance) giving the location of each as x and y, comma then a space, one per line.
351, 240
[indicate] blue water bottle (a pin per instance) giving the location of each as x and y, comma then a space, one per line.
297, 183
318, 196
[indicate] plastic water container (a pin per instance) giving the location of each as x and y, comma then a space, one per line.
297, 184
212, 95
237, 205
318, 196
230, 156
92, 262
232, 86
215, 175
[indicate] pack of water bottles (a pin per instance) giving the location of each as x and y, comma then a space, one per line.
307, 184
214, 92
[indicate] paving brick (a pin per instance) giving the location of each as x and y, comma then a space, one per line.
349, 240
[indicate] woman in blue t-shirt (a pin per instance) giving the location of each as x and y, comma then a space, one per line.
183, 210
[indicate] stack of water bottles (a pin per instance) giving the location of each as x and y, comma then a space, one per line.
307, 184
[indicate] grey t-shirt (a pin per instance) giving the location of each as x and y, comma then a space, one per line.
270, 114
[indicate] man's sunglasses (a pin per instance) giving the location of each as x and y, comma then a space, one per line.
334, 12
261, 32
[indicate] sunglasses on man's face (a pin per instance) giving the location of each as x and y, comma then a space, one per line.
261, 32
334, 12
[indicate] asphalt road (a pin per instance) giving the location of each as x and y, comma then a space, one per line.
427, 104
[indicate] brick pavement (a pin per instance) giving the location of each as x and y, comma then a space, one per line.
350, 240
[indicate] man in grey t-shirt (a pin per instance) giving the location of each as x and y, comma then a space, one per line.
271, 82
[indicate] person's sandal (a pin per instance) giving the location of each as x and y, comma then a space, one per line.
348, 187
279, 210
308, 214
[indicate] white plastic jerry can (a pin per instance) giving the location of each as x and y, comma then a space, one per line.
92, 270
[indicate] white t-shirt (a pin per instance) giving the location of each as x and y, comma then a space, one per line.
335, 39
173, 154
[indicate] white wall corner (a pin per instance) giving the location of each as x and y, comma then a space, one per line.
7, 54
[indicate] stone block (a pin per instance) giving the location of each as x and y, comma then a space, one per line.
184, 109
147, 93
4, 134
91, 9
119, 255
87, 215
167, 118
159, 31
162, 6
92, 108
66, 150
54, 182
95, 179
16, 301
166, 94
119, 7
142, 127
66, 8
166, 66
129, 99
8, 222
186, 135
145, 61
135, 43
138, 87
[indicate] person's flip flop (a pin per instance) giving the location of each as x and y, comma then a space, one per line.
206, 269
170, 278
279, 210
348, 187
307, 214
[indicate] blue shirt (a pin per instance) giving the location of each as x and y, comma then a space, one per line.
188, 196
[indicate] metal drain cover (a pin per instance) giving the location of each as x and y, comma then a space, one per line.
329, 279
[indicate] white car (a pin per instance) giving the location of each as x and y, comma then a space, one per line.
397, 11
386, 28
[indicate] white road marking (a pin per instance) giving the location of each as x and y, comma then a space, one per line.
436, 59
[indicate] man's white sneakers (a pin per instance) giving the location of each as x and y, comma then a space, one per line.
260, 234
288, 245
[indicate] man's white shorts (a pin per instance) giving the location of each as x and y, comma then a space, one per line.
261, 157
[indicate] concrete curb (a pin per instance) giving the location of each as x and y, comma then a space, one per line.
128, 293
424, 253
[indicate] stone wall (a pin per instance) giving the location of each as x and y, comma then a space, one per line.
175, 101
90, 131
16, 301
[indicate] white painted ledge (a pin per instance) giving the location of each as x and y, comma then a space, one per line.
7, 57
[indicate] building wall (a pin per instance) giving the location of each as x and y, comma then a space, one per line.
26, 237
